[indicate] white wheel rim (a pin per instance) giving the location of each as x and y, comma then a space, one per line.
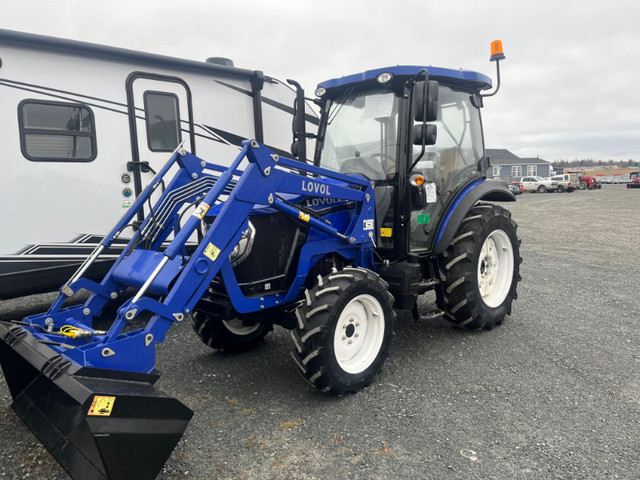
237, 327
495, 268
359, 334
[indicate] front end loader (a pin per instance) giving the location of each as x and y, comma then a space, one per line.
393, 205
88, 394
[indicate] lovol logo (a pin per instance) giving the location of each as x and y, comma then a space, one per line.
313, 187
317, 202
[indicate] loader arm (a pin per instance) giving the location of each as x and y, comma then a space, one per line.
170, 283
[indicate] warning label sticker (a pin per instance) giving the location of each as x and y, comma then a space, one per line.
304, 216
212, 252
201, 211
385, 232
101, 406
432, 195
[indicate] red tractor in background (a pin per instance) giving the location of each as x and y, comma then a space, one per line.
635, 180
586, 182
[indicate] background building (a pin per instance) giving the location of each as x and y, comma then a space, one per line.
508, 166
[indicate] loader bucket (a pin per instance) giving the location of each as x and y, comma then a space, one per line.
98, 424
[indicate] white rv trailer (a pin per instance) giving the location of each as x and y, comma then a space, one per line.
84, 126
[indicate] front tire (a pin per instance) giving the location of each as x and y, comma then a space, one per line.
542, 189
231, 336
344, 330
480, 270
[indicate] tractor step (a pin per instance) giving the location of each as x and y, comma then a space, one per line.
434, 315
428, 284
98, 424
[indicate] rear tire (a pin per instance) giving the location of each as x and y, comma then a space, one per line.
344, 330
560, 189
230, 336
480, 270
542, 189
583, 186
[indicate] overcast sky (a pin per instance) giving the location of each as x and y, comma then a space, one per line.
570, 83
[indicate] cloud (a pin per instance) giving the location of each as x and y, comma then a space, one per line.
569, 79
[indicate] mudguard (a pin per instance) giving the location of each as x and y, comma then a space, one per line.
489, 190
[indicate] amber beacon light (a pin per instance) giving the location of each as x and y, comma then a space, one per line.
496, 51
496, 55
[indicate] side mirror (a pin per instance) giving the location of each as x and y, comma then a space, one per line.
425, 134
425, 101
299, 145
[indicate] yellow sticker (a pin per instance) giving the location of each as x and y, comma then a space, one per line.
201, 210
385, 232
304, 217
212, 252
101, 406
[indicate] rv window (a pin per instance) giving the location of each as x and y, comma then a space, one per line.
163, 121
56, 132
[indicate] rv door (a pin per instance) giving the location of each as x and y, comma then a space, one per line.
160, 118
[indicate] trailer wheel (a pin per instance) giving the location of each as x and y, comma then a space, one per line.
344, 330
230, 336
480, 270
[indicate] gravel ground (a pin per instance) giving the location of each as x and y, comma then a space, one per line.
553, 393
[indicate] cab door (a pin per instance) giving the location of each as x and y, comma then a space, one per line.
160, 118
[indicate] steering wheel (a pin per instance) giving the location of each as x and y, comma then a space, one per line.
387, 162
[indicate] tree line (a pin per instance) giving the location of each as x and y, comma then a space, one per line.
595, 163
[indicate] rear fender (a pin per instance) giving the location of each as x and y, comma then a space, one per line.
489, 190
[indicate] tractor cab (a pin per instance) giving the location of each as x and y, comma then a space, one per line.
417, 133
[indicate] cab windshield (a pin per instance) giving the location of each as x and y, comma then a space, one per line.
362, 135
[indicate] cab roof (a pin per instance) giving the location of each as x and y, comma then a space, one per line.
464, 78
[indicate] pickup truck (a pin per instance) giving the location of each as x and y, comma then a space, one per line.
567, 182
538, 184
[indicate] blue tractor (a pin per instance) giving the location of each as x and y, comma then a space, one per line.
394, 204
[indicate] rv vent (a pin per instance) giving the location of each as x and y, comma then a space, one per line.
227, 62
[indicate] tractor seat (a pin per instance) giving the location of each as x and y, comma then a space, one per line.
368, 167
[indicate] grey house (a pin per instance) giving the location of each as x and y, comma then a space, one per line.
508, 166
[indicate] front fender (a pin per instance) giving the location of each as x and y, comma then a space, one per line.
490, 190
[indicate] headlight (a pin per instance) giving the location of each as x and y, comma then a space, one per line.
384, 77
242, 250
320, 91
